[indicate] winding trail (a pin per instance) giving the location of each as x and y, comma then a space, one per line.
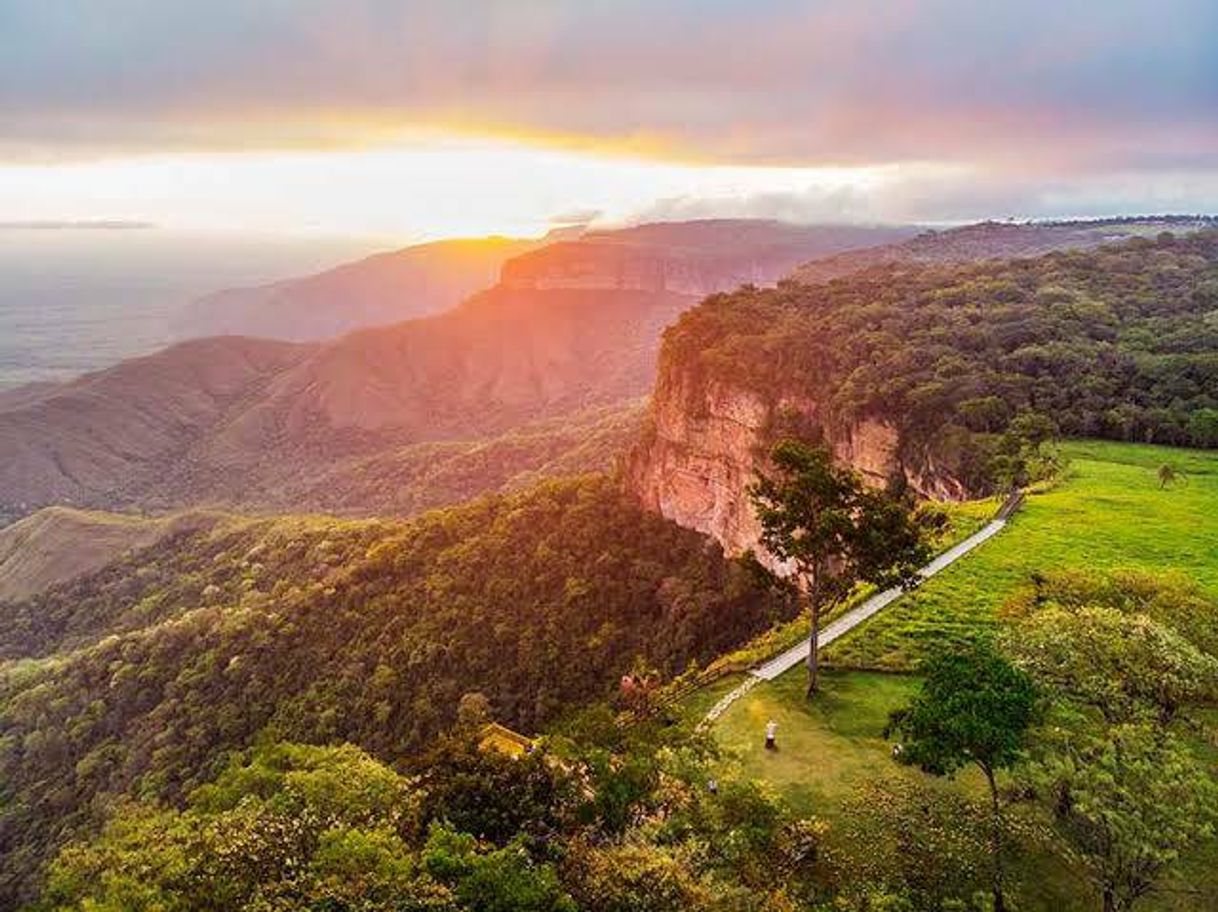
788, 659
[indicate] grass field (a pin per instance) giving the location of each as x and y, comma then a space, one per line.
824, 746
828, 747
1106, 512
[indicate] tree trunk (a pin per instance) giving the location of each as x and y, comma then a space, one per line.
1110, 903
995, 840
814, 645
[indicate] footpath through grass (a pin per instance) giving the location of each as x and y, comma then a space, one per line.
825, 746
1107, 512
830, 746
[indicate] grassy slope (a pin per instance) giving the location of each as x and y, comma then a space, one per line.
1107, 512
828, 747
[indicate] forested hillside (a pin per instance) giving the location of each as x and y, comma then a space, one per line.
1119, 342
142, 676
992, 240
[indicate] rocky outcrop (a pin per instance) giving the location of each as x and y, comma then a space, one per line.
709, 437
686, 258
575, 325
584, 265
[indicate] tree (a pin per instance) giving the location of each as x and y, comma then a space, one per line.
288, 827
630, 877
495, 798
974, 708
903, 835
1203, 426
1127, 802
474, 711
833, 531
1127, 666
1022, 454
492, 880
1126, 655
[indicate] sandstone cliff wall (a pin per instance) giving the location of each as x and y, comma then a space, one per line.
622, 267
708, 438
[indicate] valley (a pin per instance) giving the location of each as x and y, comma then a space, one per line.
245, 422
363, 541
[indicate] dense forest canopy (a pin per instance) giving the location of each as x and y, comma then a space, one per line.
1118, 342
141, 677
1100, 788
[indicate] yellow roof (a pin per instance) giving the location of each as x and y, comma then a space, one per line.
504, 740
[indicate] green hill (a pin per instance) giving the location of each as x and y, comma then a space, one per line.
143, 676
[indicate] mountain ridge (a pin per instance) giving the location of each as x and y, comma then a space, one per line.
990, 240
151, 433
377, 290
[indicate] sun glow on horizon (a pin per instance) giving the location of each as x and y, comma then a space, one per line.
426, 187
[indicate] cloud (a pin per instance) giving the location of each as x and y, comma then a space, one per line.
75, 225
1048, 84
575, 217
923, 195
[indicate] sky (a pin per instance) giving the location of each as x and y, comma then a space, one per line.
417, 119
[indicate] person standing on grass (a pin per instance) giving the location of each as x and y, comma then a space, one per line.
771, 732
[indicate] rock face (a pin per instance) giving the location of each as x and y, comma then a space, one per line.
584, 265
708, 439
574, 325
685, 258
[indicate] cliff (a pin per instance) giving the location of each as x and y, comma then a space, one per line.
709, 437
250, 422
686, 258
916, 373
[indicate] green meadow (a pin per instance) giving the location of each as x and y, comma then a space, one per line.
828, 747
1106, 512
